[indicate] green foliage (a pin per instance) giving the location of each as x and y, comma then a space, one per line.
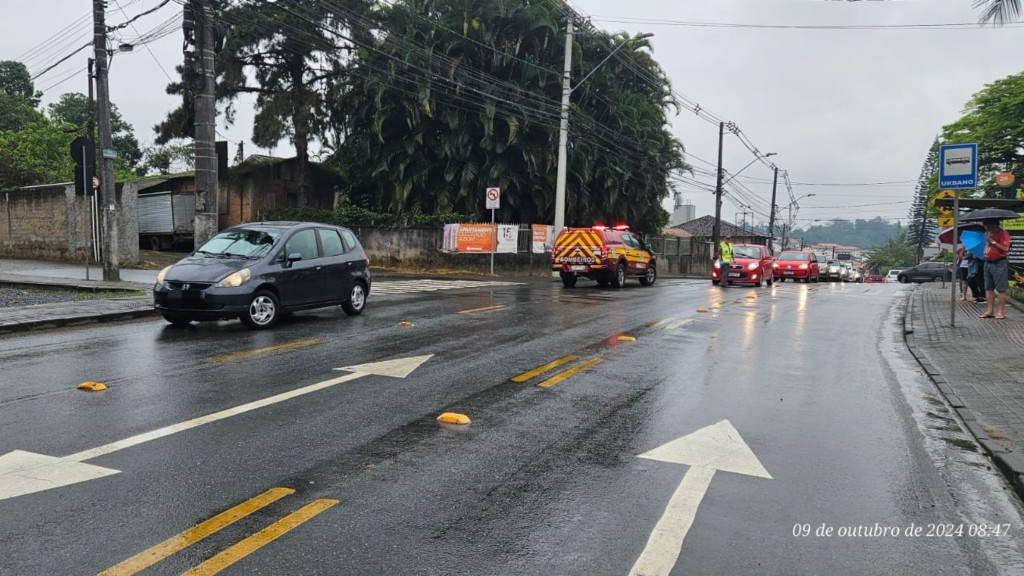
447, 104
994, 118
895, 253
36, 154
355, 216
16, 81
73, 108
168, 159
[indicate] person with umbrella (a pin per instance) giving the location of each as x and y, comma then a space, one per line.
997, 269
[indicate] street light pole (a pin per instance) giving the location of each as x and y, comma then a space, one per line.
107, 203
563, 131
771, 217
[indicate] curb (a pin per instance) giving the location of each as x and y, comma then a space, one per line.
77, 320
1009, 463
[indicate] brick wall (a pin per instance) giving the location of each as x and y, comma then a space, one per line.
49, 222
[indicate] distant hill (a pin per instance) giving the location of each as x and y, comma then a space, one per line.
860, 233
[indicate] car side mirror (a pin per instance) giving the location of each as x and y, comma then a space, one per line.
292, 258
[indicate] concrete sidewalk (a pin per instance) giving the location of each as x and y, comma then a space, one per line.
979, 368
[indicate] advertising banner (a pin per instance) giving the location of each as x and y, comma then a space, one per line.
474, 238
451, 232
508, 238
543, 238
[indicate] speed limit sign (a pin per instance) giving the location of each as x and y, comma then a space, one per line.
493, 198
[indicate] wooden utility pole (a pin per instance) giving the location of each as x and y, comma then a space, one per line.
206, 124
108, 201
771, 217
716, 235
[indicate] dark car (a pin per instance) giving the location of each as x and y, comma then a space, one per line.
927, 272
257, 272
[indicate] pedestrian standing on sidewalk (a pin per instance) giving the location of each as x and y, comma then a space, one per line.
976, 277
997, 269
963, 264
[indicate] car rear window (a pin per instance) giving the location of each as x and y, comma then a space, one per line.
792, 256
330, 241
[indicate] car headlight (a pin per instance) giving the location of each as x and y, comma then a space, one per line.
160, 276
803, 266
752, 266
775, 264
718, 264
236, 279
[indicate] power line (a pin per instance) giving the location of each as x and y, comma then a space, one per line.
683, 23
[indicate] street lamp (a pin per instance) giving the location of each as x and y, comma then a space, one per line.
789, 220
563, 132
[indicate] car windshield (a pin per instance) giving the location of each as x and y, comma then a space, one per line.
240, 243
746, 252
792, 256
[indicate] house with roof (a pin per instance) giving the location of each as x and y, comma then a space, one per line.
704, 227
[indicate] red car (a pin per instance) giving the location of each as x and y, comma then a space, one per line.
751, 264
798, 265
876, 279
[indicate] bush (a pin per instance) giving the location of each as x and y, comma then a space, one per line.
356, 216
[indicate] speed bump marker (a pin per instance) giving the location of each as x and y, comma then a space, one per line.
453, 418
626, 339
406, 324
702, 309
92, 386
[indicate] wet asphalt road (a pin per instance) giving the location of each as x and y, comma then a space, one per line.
545, 480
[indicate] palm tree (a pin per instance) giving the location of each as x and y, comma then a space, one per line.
999, 11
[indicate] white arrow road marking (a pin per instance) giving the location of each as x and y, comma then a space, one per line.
24, 472
713, 448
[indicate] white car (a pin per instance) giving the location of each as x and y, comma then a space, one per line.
893, 275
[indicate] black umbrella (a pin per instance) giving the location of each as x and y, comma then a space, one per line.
990, 214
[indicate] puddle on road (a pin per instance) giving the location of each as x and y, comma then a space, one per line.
980, 493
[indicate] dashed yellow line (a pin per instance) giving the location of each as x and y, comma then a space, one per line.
484, 309
574, 370
238, 355
542, 369
179, 542
260, 539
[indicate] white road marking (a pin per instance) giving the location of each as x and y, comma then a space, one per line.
713, 448
24, 472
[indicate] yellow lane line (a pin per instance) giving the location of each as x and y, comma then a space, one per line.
542, 369
179, 542
660, 322
678, 324
238, 355
484, 309
563, 375
260, 539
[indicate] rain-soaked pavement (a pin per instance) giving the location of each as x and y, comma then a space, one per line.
809, 442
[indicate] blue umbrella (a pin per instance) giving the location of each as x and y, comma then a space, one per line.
974, 242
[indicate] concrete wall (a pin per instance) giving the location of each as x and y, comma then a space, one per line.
49, 222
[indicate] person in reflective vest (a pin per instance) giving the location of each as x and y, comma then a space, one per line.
725, 251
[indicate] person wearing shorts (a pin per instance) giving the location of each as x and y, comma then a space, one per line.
997, 269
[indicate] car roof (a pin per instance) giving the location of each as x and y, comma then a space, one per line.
278, 225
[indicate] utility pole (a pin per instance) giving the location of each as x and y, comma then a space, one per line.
717, 233
771, 218
107, 204
205, 124
563, 133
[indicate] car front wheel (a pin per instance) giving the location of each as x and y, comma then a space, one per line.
356, 299
264, 311
937, 279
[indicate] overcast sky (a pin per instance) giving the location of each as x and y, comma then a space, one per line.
837, 106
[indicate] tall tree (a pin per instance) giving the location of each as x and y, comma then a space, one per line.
16, 81
73, 108
922, 228
453, 97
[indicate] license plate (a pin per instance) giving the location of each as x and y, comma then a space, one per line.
788, 272
734, 274
578, 268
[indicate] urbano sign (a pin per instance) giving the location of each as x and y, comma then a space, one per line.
958, 166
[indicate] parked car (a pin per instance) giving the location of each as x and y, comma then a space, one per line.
876, 279
797, 265
831, 271
751, 264
893, 275
927, 272
855, 274
257, 272
605, 255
